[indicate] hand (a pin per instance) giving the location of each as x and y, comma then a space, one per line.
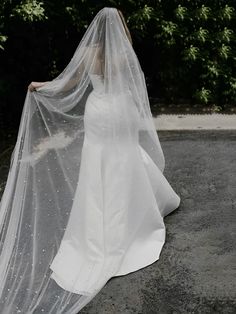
34, 85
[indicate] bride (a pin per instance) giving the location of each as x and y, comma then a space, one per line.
85, 197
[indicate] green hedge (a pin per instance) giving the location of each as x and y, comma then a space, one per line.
193, 46
187, 48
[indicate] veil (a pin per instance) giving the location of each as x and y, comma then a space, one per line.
45, 163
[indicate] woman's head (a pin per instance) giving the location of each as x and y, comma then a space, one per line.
99, 36
107, 35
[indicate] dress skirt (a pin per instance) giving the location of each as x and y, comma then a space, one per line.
116, 222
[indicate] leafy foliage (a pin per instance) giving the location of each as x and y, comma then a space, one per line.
186, 48
30, 10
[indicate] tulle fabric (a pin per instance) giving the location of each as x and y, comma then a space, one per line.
42, 189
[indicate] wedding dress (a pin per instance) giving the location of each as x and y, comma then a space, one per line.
122, 200
86, 195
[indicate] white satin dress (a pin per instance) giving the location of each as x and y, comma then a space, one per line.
116, 222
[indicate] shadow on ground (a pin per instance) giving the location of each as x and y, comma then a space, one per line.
197, 266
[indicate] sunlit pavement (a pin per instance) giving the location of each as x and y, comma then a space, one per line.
195, 121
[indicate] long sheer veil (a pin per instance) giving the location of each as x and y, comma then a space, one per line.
44, 167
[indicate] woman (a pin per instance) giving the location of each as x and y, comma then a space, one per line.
86, 195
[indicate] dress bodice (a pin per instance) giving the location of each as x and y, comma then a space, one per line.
97, 82
116, 88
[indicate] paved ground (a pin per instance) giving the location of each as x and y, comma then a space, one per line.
196, 272
195, 121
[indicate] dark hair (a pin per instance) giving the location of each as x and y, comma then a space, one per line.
125, 26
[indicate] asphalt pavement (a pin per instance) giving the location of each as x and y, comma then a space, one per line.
196, 272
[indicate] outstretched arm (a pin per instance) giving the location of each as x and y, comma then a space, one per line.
68, 83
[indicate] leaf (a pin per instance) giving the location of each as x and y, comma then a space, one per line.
228, 12
30, 10
224, 51
181, 12
202, 34
191, 53
204, 12
203, 95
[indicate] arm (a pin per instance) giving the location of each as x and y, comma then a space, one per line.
71, 83
33, 85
